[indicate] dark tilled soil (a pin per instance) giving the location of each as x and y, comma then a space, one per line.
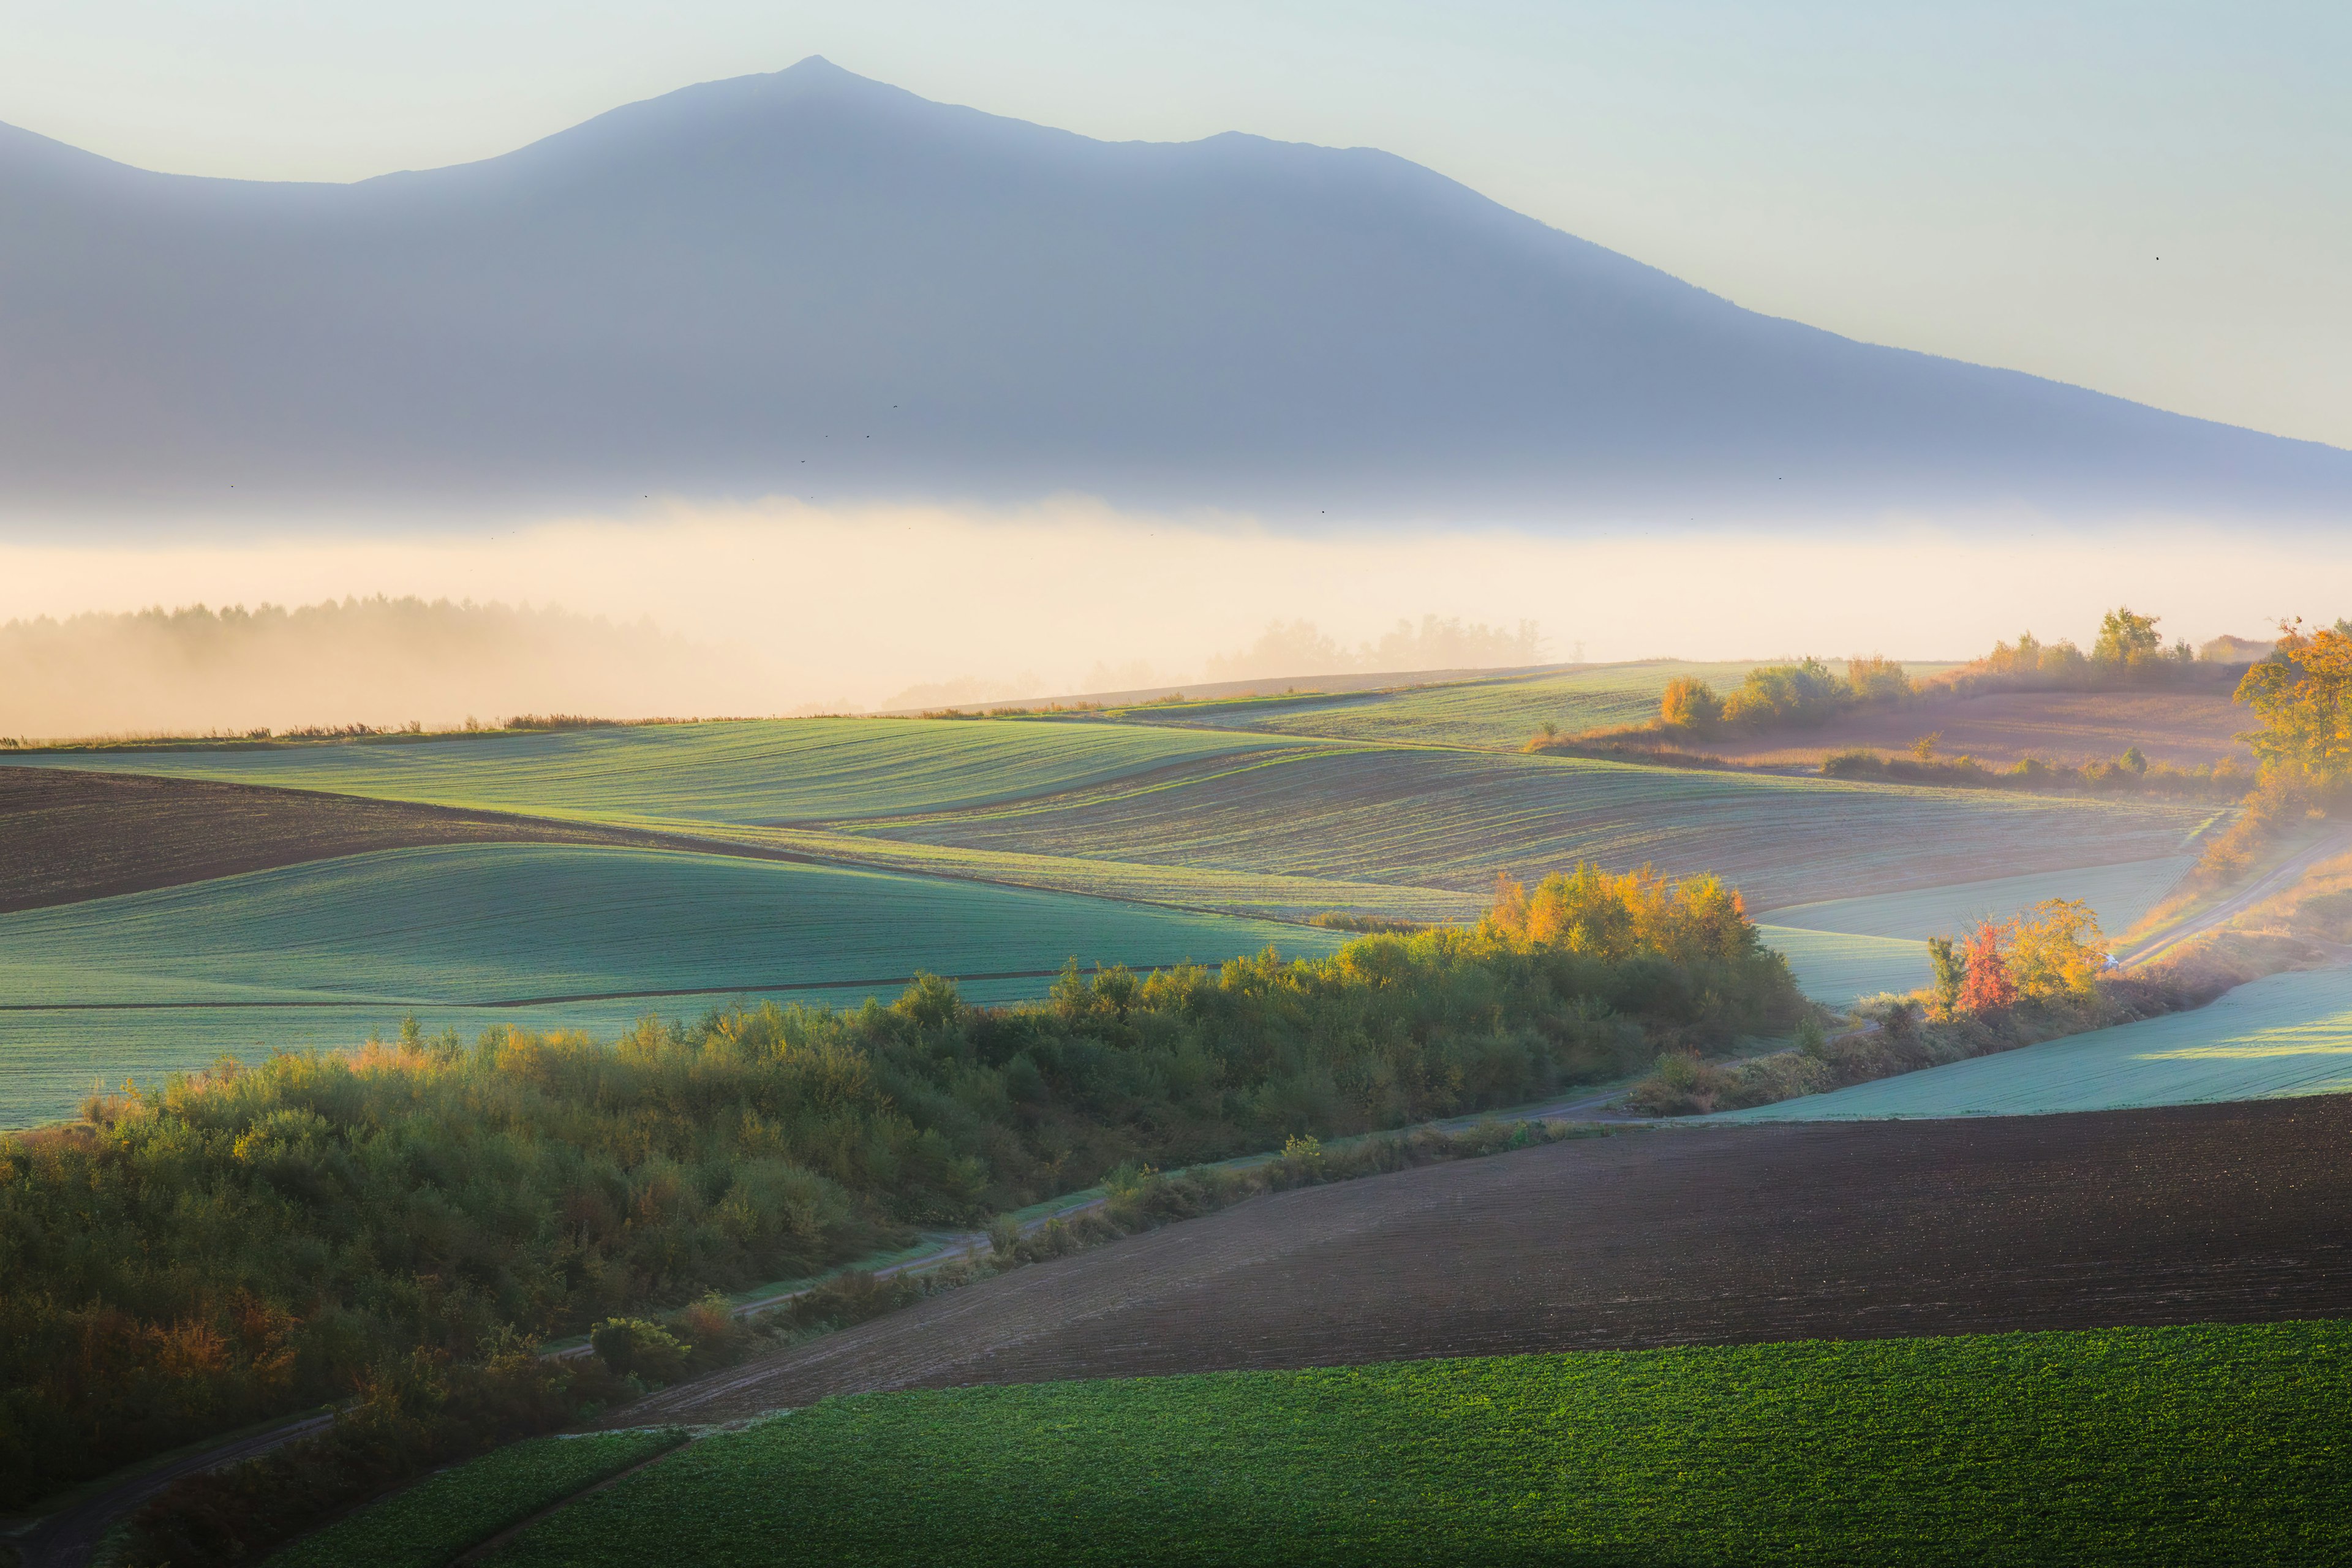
67, 833
2233, 1213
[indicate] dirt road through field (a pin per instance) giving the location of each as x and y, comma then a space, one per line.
2268, 886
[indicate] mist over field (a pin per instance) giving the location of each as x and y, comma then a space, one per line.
783, 607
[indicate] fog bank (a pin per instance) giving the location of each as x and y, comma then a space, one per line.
780, 607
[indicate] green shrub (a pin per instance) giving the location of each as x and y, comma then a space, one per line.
632, 1347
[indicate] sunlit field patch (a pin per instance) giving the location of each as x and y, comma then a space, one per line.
2283, 1034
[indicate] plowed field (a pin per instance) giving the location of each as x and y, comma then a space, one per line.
2233, 1213
69, 832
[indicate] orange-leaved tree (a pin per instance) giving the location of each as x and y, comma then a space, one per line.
1986, 988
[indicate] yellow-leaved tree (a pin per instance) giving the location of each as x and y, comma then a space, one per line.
1612, 915
2056, 951
2302, 694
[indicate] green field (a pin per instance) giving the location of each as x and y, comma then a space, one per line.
428, 1524
1838, 969
500, 923
2284, 1035
54, 1058
2119, 894
1843, 948
1496, 714
765, 771
445, 932
2205, 1445
1452, 818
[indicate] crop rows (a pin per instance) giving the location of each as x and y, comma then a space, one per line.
1497, 714
1451, 819
2141, 1447
428, 1524
2119, 894
764, 771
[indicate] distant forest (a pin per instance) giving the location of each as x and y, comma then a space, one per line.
1300, 648
382, 662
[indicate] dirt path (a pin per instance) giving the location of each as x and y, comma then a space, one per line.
68, 1539
1689, 1236
2266, 887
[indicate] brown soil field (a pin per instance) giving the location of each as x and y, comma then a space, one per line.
1689, 1236
2182, 728
67, 835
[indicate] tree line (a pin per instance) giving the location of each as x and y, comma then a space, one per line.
248, 1241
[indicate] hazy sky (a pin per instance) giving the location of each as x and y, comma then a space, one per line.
1996, 182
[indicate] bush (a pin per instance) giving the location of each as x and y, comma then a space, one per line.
1689, 704
632, 1347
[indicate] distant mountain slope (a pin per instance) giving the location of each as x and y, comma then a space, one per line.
811, 283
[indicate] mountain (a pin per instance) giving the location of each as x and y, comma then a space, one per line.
809, 283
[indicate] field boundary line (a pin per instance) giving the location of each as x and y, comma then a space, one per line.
482, 1549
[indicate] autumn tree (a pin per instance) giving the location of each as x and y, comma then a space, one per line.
1690, 704
2302, 694
1986, 988
2128, 639
2056, 951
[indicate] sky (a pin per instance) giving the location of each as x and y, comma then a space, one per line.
2146, 198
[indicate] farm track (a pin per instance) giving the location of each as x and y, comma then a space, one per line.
2260, 891
2229, 1212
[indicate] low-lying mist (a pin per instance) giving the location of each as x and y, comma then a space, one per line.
780, 607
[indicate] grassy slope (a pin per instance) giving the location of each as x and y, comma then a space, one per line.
1498, 714
1452, 818
2143, 1446
2120, 894
443, 930
1838, 968
2284, 1035
764, 771
428, 1524
482, 923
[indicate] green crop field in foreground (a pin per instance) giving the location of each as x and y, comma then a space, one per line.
435, 1521
2203, 1445
2281, 1036
1452, 819
761, 771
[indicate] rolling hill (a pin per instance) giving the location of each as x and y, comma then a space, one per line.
812, 284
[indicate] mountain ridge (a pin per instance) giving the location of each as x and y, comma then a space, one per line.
807, 283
